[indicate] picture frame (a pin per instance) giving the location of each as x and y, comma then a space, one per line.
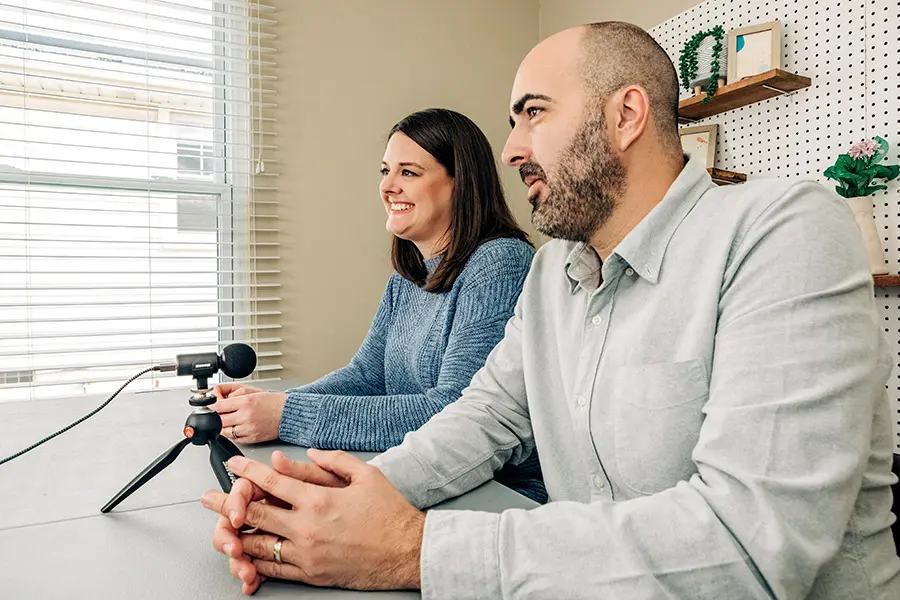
753, 50
700, 140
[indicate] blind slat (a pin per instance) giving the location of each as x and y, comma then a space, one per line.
181, 346
33, 205
129, 258
172, 94
151, 332
192, 286
262, 313
113, 192
57, 366
142, 242
220, 16
15, 66
148, 228
78, 24
186, 110
52, 382
138, 50
203, 11
160, 73
108, 303
245, 169
148, 273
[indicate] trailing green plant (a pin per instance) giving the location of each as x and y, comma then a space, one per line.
856, 170
688, 60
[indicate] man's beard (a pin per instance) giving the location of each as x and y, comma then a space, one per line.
583, 190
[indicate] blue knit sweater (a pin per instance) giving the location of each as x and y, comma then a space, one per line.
419, 354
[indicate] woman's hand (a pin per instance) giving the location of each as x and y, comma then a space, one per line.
232, 389
249, 414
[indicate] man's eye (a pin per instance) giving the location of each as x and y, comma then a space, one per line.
532, 111
384, 171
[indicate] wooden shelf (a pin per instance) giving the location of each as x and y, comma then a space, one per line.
723, 177
746, 91
886, 280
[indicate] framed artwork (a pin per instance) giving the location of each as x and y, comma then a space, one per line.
700, 141
753, 50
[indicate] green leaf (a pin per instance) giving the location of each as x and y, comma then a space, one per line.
857, 178
873, 188
845, 162
892, 172
830, 173
882, 149
842, 191
886, 172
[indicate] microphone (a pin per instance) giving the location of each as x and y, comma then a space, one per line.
236, 361
202, 427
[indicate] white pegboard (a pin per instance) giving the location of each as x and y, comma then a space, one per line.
851, 51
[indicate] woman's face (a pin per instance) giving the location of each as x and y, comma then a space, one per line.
417, 194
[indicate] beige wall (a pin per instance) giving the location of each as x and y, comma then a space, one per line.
557, 15
348, 70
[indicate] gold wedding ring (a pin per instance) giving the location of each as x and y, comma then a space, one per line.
278, 550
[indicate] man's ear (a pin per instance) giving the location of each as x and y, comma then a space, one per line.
629, 115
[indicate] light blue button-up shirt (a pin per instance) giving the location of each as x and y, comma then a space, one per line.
708, 404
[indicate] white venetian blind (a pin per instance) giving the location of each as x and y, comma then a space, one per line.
137, 179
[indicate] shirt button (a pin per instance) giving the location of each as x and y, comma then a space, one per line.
581, 401
598, 482
629, 271
597, 320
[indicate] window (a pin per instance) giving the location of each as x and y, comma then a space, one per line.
195, 160
197, 213
134, 223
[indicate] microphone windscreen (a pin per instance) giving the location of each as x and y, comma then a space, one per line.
237, 360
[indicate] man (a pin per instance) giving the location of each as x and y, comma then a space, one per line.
701, 369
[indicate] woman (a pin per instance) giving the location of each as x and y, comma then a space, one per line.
460, 262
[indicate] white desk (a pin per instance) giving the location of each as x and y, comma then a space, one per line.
157, 544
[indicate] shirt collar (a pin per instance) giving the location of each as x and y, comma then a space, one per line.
645, 246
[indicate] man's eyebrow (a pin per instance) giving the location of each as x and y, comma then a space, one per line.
519, 106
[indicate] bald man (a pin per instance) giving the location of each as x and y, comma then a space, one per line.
701, 369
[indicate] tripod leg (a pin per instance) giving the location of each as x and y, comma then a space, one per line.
164, 460
220, 450
229, 446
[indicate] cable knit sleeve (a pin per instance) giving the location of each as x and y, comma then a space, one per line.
364, 376
490, 287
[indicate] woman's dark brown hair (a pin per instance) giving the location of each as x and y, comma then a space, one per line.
478, 207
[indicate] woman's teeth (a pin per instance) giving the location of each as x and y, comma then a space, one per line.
400, 206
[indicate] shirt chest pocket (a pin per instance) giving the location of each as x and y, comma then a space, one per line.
657, 414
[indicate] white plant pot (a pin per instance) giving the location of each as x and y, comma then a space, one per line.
865, 219
704, 62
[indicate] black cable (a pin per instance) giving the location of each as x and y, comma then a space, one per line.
81, 420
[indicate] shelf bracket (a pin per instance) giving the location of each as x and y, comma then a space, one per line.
774, 89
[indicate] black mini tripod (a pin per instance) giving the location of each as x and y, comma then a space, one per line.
203, 426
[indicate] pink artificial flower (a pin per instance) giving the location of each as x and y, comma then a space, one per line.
865, 148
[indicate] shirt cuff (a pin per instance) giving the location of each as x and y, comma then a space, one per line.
460, 555
299, 417
405, 473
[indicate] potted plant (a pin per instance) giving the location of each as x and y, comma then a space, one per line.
856, 173
701, 64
